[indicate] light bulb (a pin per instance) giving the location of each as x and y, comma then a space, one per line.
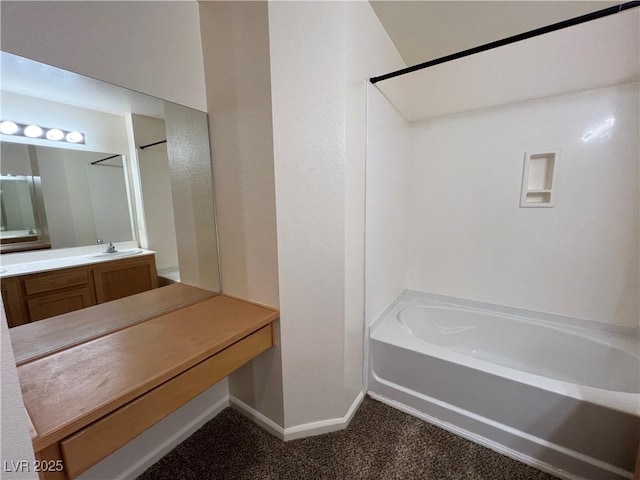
8, 127
55, 134
32, 131
74, 137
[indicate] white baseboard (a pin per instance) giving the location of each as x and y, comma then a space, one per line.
299, 431
324, 426
256, 417
173, 441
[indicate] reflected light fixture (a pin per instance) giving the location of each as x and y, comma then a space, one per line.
8, 127
74, 137
55, 134
33, 131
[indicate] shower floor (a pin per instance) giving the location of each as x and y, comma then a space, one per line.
380, 443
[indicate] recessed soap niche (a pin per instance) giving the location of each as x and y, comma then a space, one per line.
537, 178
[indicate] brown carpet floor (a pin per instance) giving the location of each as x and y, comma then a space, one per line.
380, 443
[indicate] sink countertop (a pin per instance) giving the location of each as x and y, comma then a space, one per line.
49, 264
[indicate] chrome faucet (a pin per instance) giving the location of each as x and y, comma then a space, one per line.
111, 248
100, 242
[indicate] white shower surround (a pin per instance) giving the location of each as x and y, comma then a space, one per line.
459, 364
467, 236
444, 218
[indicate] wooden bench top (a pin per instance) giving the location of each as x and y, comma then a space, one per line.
72, 388
44, 337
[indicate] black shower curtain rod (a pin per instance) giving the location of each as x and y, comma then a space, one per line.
142, 147
105, 159
515, 38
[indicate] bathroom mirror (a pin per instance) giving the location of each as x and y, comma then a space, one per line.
140, 160
61, 198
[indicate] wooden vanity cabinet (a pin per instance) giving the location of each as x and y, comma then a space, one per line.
13, 305
114, 280
36, 296
57, 303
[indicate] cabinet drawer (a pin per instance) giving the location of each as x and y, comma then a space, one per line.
59, 303
87, 447
55, 281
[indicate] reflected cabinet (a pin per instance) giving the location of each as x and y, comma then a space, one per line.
36, 296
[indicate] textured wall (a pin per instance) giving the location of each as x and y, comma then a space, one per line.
319, 118
235, 37
192, 193
16, 441
308, 57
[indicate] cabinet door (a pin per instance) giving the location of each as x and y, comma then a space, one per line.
13, 304
58, 280
53, 304
122, 278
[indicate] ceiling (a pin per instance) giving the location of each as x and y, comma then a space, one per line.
425, 30
571, 60
35, 79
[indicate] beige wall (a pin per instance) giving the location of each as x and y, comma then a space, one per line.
322, 54
235, 37
151, 47
308, 61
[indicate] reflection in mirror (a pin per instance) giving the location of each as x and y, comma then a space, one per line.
84, 196
142, 160
17, 207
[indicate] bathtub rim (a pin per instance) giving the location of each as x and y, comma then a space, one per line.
616, 400
615, 340
537, 315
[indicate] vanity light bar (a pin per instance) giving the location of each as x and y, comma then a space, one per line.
8, 127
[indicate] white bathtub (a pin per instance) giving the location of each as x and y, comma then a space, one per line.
558, 393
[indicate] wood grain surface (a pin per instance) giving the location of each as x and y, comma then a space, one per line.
93, 443
39, 339
70, 389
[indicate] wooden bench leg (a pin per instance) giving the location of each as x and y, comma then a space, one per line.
50, 464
